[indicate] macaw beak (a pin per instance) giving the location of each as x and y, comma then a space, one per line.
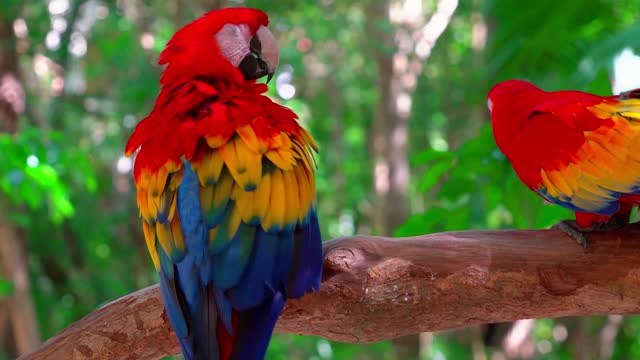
254, 67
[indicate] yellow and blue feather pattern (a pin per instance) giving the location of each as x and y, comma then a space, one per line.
602, 167
233, 233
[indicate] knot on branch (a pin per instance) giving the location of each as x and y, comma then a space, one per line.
341, 259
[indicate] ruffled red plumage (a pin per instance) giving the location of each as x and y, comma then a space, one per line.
575, 149
169, 135
203, 95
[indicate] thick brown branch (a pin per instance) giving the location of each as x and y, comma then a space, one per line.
380, 288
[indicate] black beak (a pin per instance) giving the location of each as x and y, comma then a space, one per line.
631, 94
253, 68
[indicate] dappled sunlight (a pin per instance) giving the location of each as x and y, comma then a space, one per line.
284, 83
32, 161
58, 7
434, 28
394, 93
147, 40
381, 176
20, 28
78, 45
626, 75
124, 164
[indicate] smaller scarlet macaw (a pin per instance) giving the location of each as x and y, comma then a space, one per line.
574, 149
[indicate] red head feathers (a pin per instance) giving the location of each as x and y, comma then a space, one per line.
219, 44
209, 91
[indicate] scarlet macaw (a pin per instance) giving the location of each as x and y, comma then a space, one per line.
226, 190
574, 149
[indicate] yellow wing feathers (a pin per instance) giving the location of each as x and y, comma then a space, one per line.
263, 179
209, 167
269, 181
157, 201
244, 164
607, 164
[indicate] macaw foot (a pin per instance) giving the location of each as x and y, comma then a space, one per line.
571, 228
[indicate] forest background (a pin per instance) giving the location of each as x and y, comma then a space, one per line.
393, 90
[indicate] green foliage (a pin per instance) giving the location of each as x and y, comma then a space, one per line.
31, 171
476, 189
6, 288
68, 187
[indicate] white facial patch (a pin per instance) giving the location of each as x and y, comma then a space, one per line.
490, 104
234, 42
269, 45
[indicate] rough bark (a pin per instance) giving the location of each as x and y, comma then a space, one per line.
381, 288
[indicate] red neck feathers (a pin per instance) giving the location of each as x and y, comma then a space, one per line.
200, 114
204, 99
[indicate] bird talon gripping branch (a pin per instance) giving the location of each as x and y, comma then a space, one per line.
574, 149
570, 228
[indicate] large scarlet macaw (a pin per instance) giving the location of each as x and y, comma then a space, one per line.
226, 190
574, 149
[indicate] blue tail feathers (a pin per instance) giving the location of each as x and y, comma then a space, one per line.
255, 327
239, 287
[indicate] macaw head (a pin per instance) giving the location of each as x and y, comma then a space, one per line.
505, 92
227, 44
507, 102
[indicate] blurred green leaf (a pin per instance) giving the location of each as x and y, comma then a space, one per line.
6, 288
75, 205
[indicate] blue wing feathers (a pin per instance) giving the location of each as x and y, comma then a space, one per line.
221, 240
204, 319
307, 259
191, 218
225, 311
255, 327
251, 275
284, 260
603, 208
230, 265
174, 311
251, 290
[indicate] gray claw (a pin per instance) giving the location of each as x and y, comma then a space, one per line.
570, 228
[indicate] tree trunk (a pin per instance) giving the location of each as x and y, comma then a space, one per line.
388, 147
400, 57
388, 140
335, 96
19, 304
13, 260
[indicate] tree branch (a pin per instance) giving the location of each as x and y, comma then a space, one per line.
381, 288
